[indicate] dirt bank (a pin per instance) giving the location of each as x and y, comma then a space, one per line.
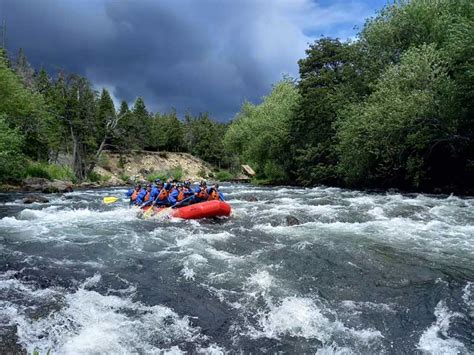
115, 169
138, 165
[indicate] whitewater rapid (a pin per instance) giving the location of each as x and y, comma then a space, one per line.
363, 273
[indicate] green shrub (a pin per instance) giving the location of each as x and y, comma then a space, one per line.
274, 172
224, 175
38, 170
202, 173
11, 157
104, 161
94, 177
121, 162
124, 177
106, 178
162, 175
49, 171
175, 173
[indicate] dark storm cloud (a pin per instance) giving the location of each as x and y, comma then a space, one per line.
191, 55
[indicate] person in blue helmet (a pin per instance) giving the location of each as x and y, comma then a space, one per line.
133, 193
214, 193
200, 193
144, 197
155, 190
181, 195
163, 194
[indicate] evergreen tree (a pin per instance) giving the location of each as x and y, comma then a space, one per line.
204, 137
141, 123
43, 83
124, 108
133, 126
24, 70
105, 114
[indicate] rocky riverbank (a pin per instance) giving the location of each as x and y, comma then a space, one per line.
115, 169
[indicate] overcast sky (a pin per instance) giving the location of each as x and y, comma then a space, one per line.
191, 55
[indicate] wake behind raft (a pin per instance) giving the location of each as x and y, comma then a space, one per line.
206, 209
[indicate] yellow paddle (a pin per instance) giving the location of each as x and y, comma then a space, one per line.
110, 199
160, 213
148, 212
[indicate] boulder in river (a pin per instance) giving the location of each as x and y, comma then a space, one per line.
48, 186
35, 198
60, 186
292, 220
250, 198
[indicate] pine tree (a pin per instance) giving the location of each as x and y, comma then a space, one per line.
106, 122
24, 70
43, 83
140, 111
106, 112
123, 108
140, 124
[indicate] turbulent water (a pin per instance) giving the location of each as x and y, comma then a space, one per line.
363, 273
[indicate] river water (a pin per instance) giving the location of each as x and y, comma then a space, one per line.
363, 273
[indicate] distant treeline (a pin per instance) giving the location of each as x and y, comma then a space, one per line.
41, 117
393, 108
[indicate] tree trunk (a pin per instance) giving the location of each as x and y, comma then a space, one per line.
77, 157
96, 156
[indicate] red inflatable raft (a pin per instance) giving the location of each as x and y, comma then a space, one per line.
207, 209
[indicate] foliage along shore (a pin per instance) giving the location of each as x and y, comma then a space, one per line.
391, 109
115, 169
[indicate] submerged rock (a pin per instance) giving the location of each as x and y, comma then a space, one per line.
250, 198
35, 198
292, 220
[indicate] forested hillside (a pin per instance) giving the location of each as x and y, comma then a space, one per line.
42, 117
394, 108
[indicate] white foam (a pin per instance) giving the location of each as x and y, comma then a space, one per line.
212, 349
261, 281
361, 306
93, 323
333, 349
435, 339
468, 298
300, 317
188, 273
378, 213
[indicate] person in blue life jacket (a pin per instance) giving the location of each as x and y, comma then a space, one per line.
163, 194
155, 190
200, 193
133, 193
179, 194
215, 194
144, 197
168, 184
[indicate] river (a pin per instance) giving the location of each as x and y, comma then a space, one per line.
363, 273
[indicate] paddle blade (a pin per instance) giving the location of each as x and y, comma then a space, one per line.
163, 212
110, 199
147, 213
